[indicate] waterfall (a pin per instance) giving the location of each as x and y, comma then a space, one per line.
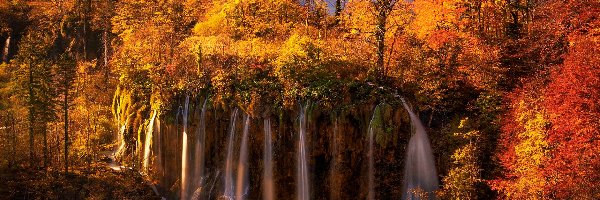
420, 177
229, 162
303, 190
334, 157
268, 191
242, 176
148, 141
371, 161
6, 49
120, 151
184, 152
199, 153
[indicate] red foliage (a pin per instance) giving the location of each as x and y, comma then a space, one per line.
569, 94
520, 101
573, 101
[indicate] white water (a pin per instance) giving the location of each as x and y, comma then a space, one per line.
371, 167
334, 157
185, 153
419, 173
303, 190
199, 153
242, 176
268, 190
121, 149
228, 193
148, 142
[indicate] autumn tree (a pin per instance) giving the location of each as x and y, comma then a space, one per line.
382, 9
554, 159
464, 177
35, 78
572, 99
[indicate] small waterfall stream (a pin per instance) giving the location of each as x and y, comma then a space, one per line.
303, 188
420, 176
185, 153
228, 183
334, 163
199, 154
148, 142
371, 159
121, 137
268, 190
242, 176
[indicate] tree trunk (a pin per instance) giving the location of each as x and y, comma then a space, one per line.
86, 13
14, 141
45, 134
87, 142
31, 118
380, 38
5, 123
338, 7
338, 11
66, 110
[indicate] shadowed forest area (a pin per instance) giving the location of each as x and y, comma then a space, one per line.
300, 99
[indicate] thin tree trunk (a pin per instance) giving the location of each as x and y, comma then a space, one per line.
57, 145
87, 142
5, 123
86, 13
45, 134
105, 38
338, 10
14, 141
380, 38
31, 118
66, 110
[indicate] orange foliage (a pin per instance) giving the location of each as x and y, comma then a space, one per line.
523, 145
573, 99
567, 96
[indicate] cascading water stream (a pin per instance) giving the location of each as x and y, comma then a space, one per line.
303, 190
228, 193
199, 154
370, 155
148, 142
185, 153
242, 176
268, 190
420, 176
334, 157
121, 149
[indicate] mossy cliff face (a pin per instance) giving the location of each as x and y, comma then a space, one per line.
337, 146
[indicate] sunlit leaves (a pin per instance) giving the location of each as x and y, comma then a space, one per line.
572, 100
465, 174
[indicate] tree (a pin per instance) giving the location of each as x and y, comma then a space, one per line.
523, 141
36, 85
572, 99
66, 72
465, 175
548, 146
383, 9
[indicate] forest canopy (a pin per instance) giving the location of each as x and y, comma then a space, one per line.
509, 90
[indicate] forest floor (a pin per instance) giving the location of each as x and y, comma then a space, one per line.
95, 182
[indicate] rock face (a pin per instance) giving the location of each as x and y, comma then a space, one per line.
336, 144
